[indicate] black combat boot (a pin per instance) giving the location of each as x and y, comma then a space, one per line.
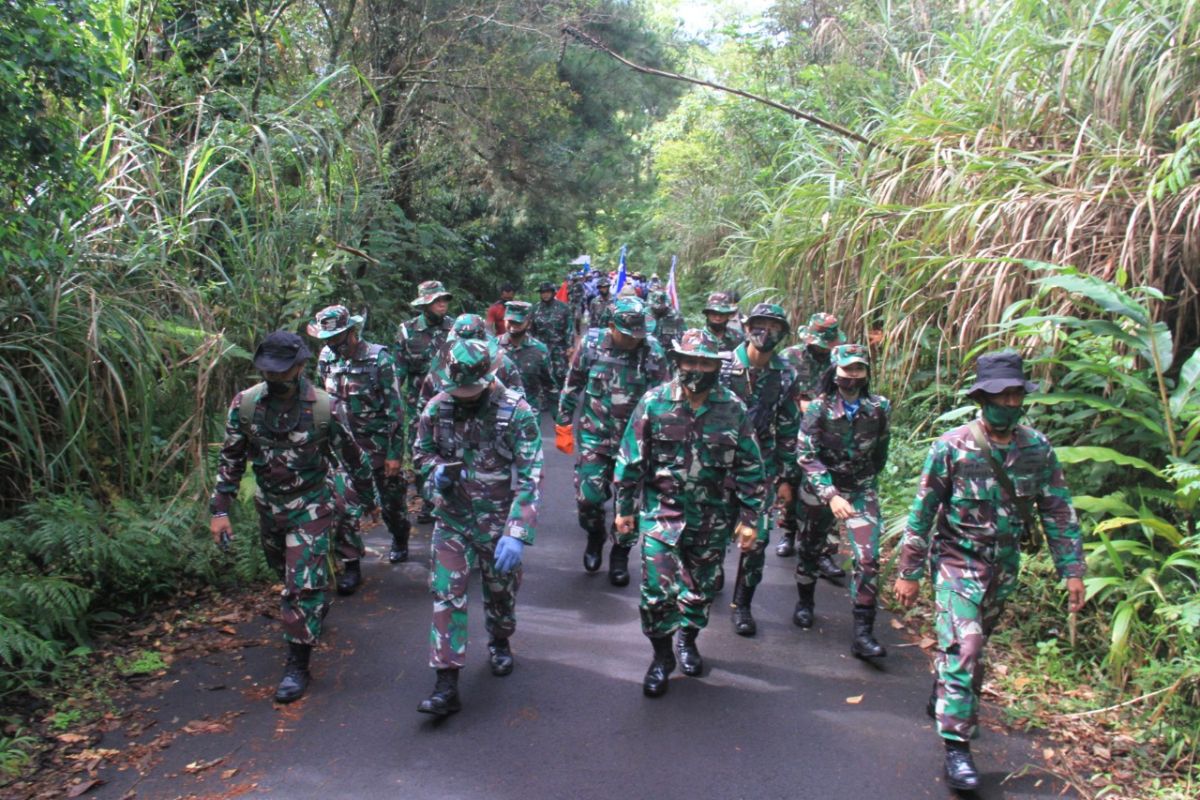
960, 767
593, 554
655, 682
618, 566
501, 659
425, 515
829, 568
690, 660
444, 700
350, 579
865, 645
295, 673
719, 579
803, 616
399, 551
787, 544
931, 706
743, 620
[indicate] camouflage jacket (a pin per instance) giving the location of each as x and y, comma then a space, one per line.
366, 384
808, 369
293, 467
667, 328
612, 380
417, 343
553, 323
689, 469
533, 362
772, 399
840, 454
506, 372
500, 446
730, 339
599, 312
974, 518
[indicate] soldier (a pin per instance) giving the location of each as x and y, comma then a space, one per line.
842, 448
810, 358
668, 323
980, 486
552, 322
599, 311
417, 342
762, 380
613, 368
531, 356
363, 376
718, 312
469, 326
290, 431
689, 459
479, 450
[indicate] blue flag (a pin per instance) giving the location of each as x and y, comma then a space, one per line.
621, 272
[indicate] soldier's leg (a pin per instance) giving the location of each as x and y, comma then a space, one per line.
659, 611
306, 580
813, 518
789, 522
750, 571
453, 559
864, 530
347, 542
499, 606
593, 487
958, 621
698, 588
272, 539
394, 510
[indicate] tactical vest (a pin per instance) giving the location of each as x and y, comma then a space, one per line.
367, 365
421, 347
314, 416
846, 470
451, 446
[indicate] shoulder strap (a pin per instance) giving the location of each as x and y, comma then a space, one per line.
1027, 522
249, 405
322, 408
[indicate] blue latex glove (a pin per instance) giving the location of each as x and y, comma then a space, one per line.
441, 481
508, 554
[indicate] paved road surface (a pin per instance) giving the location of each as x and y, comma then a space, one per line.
769, 719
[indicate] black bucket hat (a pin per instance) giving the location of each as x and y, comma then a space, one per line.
280, 351
995, 372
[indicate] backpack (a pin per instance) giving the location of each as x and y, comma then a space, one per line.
252, 397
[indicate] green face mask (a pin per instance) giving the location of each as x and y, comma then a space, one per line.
1002, 418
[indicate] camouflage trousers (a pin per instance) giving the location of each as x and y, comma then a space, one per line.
798, 518
558, 372
678, 582
593, 490
752, 562
965, 614
347, 540
863, 530
455, 556
299, 555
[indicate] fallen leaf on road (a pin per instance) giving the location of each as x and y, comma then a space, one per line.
226, 774
71, 738
897, 624
80, 788
1021, 682
854, 700
228, 629
1000, 669
928, 643
200, 766
1102, 751
205, 726
1048, 753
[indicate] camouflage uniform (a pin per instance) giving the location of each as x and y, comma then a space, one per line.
531, 357
694, 475
468, 326
668, 323
554, 325
500, 446
612, 381
731, 336
976, 553
600, 311
417, 342
293, 460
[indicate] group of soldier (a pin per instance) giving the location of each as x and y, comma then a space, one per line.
696, 438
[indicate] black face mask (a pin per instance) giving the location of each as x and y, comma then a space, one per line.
697, 381
849, 384
469, 405
434, 319
718, 327
819, 353
279, 389
658, 311
765, 340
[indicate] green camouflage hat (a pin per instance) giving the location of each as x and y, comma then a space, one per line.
659, 299
823, 330
469, 364
517, 311
721, 303
846, 354
629, 316
468, 326
697, 342
769, 311
430, 291
332, 320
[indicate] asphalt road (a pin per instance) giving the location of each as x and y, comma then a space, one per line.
770, 718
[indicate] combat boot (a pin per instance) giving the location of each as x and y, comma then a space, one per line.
295, 673
350, 579
690, 660
425, 515
719, 579
865, 645
618, 566
828, 568
655, 682
787, 544
960, 767
444, 700
931, 706
501, 658
593, 554
743, 620
803, 617
399, 552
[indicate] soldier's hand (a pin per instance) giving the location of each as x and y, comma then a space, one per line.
222, 531
624, 524
784, 493
1076, 595
745, 536
841, 507
906, 592
391, 469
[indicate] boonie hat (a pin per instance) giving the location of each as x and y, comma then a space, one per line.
332, 320
430, 291
280, 351
629, 316
995, 372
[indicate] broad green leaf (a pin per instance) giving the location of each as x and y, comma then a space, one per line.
954, 415
1098, 403
1159, 336
1111, 504
1105, 455
1122, 619
1189, 376
1103, 294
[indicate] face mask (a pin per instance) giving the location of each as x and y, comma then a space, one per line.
1002, 418
849, 384
434, 319
765, 340
279, 389
469, 403
516, 333
717, 328
658, 311
697, 380
819, 353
